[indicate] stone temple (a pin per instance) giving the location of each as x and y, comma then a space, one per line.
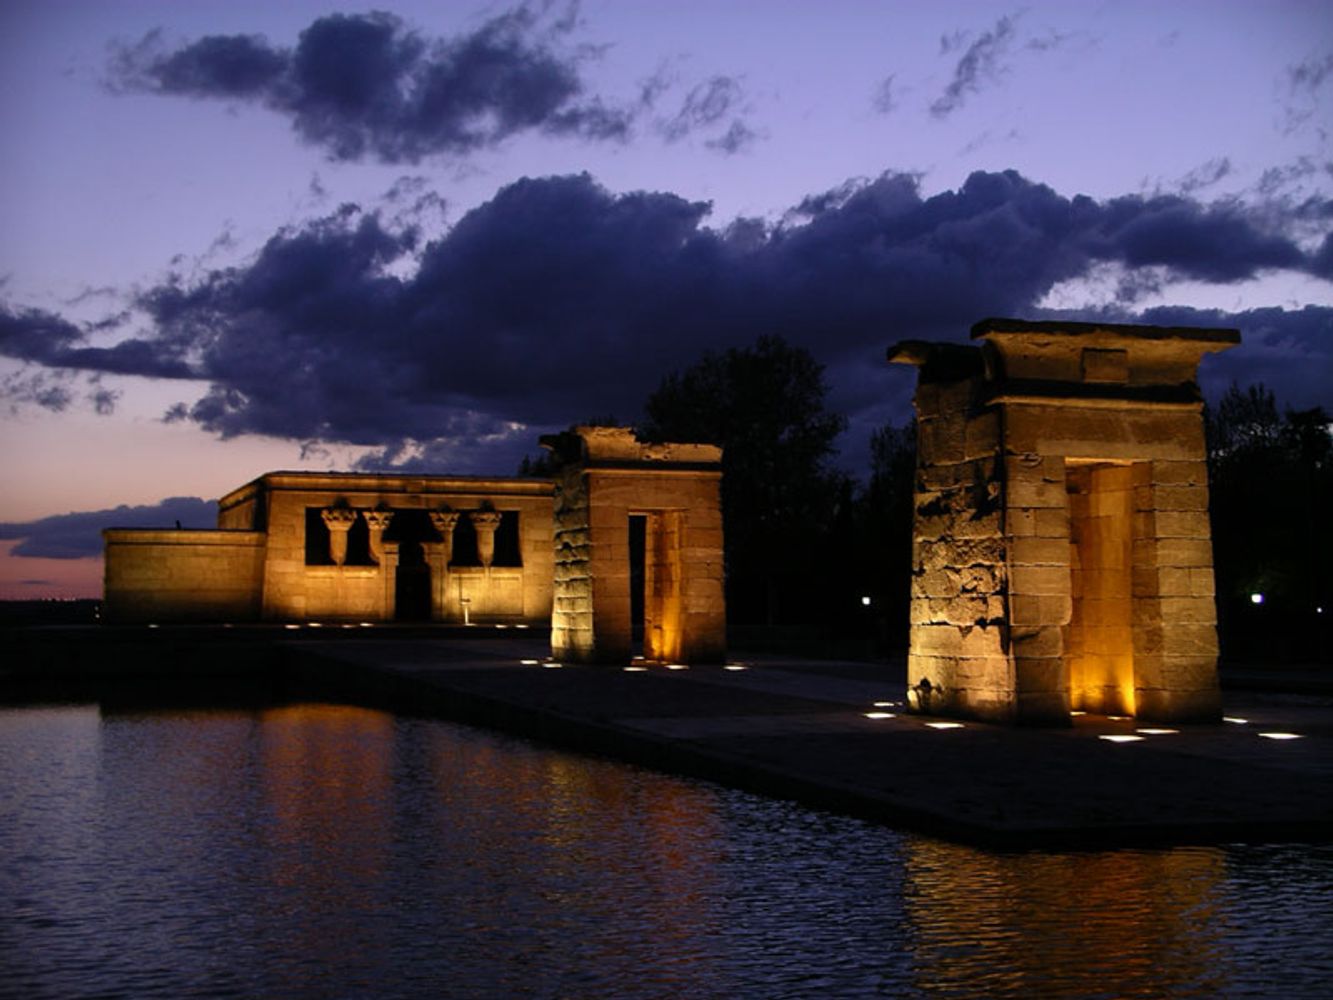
1062, 557
625, 541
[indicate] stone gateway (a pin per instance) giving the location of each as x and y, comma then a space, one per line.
1062, 559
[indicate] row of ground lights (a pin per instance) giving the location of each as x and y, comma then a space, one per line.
1135, 737
635, 668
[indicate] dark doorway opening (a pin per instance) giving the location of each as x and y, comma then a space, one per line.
412, 590
638, 528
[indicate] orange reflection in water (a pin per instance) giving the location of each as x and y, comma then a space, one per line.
326, 777
1111, 923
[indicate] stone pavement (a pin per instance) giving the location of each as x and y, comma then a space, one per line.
835, 735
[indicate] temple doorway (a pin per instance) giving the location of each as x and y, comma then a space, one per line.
655, 585
1099, 640
412, 590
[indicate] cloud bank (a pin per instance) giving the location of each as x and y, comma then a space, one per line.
558, 299
79, 535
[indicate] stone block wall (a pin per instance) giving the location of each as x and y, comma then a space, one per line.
181, 575
1061, 556
606, 476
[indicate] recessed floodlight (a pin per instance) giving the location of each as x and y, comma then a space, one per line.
552, 665
945, 725
735, 666
632, 669
1256, 598
520, 626
1117, 718
314, 624
1156, 732
501, 626
1281, 736
1119, 738
885, 704
865, 601
1078, 711
367, 624
879, 715
529, 663
1235, 721
677, 666
285, 626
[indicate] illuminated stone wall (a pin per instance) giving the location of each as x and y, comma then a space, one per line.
1062, 556
606, 476
377, 534
170, 575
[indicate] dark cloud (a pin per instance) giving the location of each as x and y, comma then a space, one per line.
1311, 74
557, 299
884, 101
712, 105
1206, 175
979, 63
79, 535
365, 86
1289, 350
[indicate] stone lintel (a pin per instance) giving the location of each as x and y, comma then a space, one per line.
1222, 337
620, 447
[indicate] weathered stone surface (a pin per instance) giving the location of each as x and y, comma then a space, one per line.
607, 477
1087, 547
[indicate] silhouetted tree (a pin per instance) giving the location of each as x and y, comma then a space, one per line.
1271, 486
765, 405
886, 529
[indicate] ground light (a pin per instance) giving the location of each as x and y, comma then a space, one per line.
1281, 736
635, 669
1119, 738
529, 663
1235, 721
1156, 732
945, 725
552, 665
677, 666
1256, 598
865, 602
736, 666
879, 715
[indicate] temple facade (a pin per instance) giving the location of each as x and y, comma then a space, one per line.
621, 553
294, 546
1062, 556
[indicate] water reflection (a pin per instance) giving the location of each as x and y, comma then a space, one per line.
317, 850
1066, 924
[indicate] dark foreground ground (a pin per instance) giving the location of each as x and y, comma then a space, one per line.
780, 726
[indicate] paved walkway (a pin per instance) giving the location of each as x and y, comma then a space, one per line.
835, 735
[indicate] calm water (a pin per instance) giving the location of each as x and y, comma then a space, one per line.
319, 851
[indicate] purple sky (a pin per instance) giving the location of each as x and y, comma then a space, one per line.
244, 236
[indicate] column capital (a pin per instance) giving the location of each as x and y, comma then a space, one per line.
338, 518
378, 520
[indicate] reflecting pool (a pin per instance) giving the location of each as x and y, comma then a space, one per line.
318, 850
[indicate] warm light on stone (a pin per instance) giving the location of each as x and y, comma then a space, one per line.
607, 476
1062, 559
